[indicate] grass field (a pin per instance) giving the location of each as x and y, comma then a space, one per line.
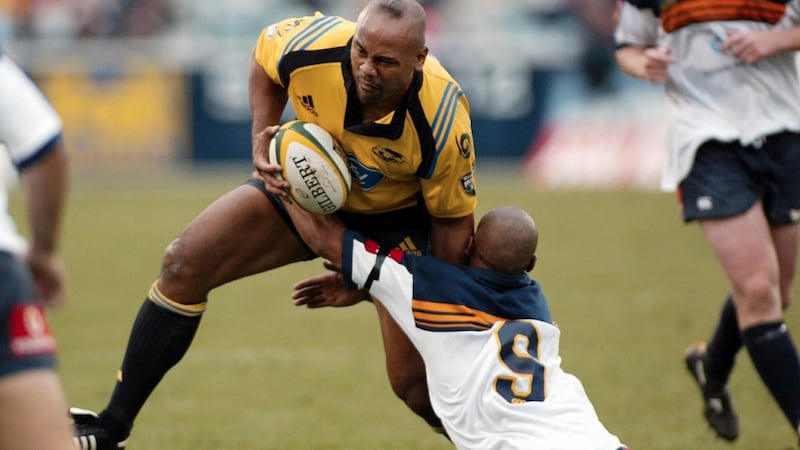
628, 283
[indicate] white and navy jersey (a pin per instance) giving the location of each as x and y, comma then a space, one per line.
712, 94
28, 127
490, 350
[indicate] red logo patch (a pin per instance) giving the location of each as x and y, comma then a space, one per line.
397, 255
30, 334
372, 246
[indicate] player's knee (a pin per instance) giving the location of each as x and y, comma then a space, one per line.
179, 270
759, 299
760, 289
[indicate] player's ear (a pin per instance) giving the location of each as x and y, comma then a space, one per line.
423, 53
469, 250
531, 264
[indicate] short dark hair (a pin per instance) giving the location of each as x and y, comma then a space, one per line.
394, 8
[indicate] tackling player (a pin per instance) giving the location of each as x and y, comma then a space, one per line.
489, 344
404, 124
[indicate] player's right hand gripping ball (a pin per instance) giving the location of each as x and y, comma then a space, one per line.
314, 164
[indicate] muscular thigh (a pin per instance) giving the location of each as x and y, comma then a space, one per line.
744, 246
239, 234
32, 407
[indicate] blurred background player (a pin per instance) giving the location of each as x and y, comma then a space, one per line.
405, 125
734, 155
32, 402
489, 344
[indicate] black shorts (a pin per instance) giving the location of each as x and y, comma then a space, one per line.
408, 229
25, 339
727, 179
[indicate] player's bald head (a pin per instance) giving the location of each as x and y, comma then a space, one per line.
506, 240
409, 14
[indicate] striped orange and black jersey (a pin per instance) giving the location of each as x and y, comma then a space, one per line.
676, 14
714, 94
422, 150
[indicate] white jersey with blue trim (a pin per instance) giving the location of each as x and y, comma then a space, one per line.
490, 351
28, 124
713, 95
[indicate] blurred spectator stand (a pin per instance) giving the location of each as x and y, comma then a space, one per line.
143, 82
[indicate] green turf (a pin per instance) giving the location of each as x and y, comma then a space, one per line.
628, 283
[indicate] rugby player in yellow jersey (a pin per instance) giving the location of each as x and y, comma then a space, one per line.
404, 124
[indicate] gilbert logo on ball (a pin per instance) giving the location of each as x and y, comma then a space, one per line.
314, 164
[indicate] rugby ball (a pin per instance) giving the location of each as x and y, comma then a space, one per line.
314, 164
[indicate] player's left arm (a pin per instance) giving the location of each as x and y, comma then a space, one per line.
753, 46
45, 183
324, 235
636, 39
267, 101
449, 188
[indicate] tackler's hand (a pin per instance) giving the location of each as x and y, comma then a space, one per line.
327, 289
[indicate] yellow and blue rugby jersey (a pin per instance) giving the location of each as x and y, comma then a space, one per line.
425, 146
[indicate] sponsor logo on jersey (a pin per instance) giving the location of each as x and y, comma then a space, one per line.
273, 30
395, 253
468, 183
387, 154
464, 143
308, 103
290, 26
716, 44
407, 245
367, 178
794, 214
705, 203
29, 333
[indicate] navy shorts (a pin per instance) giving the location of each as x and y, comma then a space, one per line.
408, 229
727, 179
26, 342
